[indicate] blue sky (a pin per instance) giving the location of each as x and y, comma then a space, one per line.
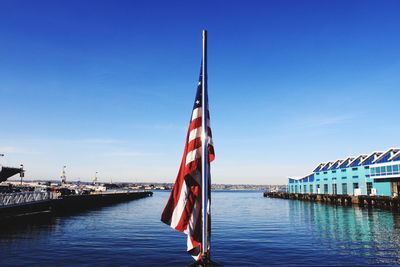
108, 86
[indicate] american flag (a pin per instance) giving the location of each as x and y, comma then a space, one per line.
183, 210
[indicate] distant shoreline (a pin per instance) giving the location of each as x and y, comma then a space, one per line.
163, 186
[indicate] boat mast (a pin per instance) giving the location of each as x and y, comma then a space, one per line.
63, 175
204, 156
95, 178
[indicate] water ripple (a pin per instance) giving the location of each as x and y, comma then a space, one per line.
248, 230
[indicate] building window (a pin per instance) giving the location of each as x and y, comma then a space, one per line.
343, 170
366, 167
325, 172
383, 170
317, 173
369, 186
355, 177
396, 169
334, 189
389, 170
354, 169
344, 188
333, 178
325, 189
318, 180
333, 171
311, 189
325, 179
344, 177
318, 189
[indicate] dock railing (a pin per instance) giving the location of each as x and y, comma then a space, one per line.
24, 197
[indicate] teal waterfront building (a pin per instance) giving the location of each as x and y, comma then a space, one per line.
375, 174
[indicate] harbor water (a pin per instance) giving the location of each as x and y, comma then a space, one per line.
248, 230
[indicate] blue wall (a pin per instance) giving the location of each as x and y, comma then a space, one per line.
345, 178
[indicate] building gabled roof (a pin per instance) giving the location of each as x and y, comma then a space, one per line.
348, 160
335, 164
319, 167
326, 166
359, 158
372, 156
395, 156
389, 154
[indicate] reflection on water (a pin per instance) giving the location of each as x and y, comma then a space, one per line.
248, 230
371, 234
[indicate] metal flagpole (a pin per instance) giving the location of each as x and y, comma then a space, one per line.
204, 156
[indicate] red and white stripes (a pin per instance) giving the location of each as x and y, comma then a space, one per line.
183, 210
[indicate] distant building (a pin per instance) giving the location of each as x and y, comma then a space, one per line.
375, 174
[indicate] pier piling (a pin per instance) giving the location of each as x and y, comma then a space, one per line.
382, 202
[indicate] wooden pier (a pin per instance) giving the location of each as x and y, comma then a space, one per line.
382, 202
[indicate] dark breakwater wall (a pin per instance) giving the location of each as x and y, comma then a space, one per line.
25, 209
383, 202
68, 204
83, 202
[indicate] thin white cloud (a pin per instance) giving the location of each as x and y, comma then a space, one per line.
130, 154
17, 150
88, 140
98, 141
168, 126
323, 120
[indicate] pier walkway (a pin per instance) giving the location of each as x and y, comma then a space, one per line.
383, 202
21, 198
